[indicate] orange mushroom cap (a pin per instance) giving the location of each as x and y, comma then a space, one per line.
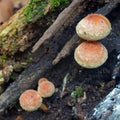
6, 10
46, 88
42, 80
93, 27
90, 54
30, 100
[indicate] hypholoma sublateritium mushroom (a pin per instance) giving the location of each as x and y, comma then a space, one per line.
93, 27
30, 100
90, 54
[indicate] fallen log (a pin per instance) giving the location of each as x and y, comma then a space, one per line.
29, 77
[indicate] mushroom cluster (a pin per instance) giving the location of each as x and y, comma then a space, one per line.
31, 100
91, 53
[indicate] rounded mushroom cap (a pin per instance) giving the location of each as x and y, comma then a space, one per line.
42, 80
46, 89
90, 54
93, 27
30, 100
6, 10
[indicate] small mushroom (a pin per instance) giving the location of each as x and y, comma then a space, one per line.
6, 10
42, 80
30, 100
93, 27
90, 54
45, 88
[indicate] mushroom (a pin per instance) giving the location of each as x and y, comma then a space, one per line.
45, 88
6, 10
93, 27
90, 54
30, 100
42, 80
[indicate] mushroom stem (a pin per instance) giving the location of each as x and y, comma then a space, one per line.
43, 107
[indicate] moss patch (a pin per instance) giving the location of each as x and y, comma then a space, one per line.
36, 7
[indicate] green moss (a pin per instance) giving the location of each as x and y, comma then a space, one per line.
57, 3
3, 59
78, 92
36, 7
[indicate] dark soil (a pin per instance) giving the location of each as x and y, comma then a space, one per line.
96, 83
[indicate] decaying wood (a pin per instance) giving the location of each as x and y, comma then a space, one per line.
29, 77
69, 46
61, 21
108, 7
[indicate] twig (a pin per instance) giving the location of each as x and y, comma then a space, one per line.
69, 46
64, 84
66, 15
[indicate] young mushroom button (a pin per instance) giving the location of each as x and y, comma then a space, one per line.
30, 100
42, 80
93, 27
90, 54
45, 88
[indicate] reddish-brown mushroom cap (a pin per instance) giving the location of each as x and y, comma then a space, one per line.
90, 54
46, 88
30, 100
93, 27
6, 10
